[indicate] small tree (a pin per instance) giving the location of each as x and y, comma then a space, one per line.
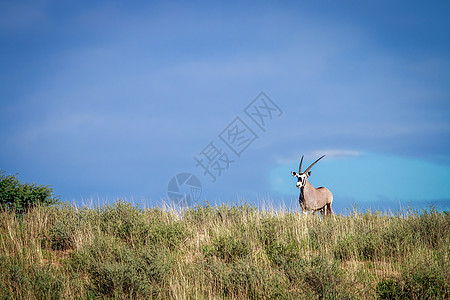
20, 197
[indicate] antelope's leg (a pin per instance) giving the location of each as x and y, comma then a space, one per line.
330, 212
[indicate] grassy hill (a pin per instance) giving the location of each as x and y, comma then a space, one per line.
215, 252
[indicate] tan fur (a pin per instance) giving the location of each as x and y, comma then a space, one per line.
313, 199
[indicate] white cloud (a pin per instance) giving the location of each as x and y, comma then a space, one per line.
336, 153
330, 153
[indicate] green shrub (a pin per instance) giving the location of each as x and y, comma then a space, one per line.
199, 214
218, 274
251, 281
368, 246
421, 279
234, 213
20, 197
427, 280
138, 228
47, 284
14, 277
395, 238
363, 245
288, 259
320, 232
268, 231
230, 248
168, 236
19, 279
60, 237
69, 228
344, 249
243, 279
390, 289
431, 227
116, 270
123, 220
119, 280
322, 277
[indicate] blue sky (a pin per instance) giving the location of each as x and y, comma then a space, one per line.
109, 99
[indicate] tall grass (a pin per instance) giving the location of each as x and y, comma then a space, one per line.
214, 252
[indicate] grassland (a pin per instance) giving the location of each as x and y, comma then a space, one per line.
216, 252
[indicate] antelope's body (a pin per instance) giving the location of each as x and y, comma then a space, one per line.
312, 199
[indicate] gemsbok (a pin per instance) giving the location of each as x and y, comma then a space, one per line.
312, 199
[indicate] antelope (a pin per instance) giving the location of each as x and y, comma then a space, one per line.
312, 199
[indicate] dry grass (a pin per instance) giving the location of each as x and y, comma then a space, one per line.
216, 252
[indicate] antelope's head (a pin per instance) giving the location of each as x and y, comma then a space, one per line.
303, 176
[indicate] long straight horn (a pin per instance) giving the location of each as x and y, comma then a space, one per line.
313, 164
300, 167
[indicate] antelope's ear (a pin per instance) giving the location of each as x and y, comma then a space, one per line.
309, 173
293, 173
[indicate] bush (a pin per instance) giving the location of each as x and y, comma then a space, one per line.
20, 197
344, 249
389, 289
287, 258
322, 277
116, 270
138, 229
119, 280
431, 228
250, 281
22, 280
363, 245
228, 248
421, 279
46, 284
61, 237
243, 279
427, 280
